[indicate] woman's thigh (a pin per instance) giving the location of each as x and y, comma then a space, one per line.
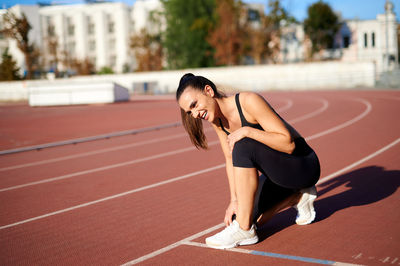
286, 170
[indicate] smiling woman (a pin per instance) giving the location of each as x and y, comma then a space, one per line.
254, 138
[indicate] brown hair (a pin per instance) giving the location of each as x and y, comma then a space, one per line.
193, 126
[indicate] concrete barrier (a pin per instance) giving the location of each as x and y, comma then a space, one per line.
301, 76
77, 93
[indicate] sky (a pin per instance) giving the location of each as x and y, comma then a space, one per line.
349, 9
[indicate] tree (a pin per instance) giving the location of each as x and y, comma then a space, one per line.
263, 41
51, 41
83, 67
398, 43
8, 67
277, 14
148, 51
228, 33
187, 25
263, 37
321, 25
18, 29
105, 70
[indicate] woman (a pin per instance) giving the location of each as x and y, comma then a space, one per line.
254, 138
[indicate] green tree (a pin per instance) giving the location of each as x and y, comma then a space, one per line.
321, 25
8, 67
184, 39
105, 70
18, 29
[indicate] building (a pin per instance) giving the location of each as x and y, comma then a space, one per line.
98, 32
357, 40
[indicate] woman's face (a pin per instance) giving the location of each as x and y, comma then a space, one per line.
199, 104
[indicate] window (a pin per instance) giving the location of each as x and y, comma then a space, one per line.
112, 45
71, 48
113, 61
70, 27
365, 40
346, 41
50, 30
90, 25
92, 45
110, 24
253, 15
50, 26
373, 39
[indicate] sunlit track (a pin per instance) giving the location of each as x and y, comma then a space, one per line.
134, 161
108, 167
116, 216
52, 179
287, 106
218, 226
325, 105
347, 123
99, 151
115, 196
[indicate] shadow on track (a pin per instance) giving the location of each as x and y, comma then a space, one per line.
362, 187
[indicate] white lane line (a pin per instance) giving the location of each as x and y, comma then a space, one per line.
274, 255
52, 179
345, 124
117, 195
288, 105
164, 249
325, 105
174, 245
94, 170
93, 202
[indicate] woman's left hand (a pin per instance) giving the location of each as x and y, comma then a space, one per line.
236, 136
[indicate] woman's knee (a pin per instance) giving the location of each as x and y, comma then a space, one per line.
242, 153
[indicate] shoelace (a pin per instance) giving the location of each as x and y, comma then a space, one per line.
227, 229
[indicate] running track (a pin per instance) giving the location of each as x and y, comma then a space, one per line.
151, 198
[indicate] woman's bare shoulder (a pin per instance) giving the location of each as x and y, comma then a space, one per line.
251, 98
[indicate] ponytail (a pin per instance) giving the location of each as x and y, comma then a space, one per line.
194, 127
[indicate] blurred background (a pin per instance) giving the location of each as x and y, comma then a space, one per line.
146, 45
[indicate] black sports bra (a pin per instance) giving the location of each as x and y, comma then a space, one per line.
242, 118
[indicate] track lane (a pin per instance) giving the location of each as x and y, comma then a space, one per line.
167, 195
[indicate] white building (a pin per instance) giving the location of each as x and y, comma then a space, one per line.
357, 40
99, 32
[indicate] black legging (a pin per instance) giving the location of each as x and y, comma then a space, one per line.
286, 173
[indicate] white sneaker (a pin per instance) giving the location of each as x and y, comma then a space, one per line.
305, 207
232, 236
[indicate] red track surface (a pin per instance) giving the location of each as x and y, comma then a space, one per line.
102, 203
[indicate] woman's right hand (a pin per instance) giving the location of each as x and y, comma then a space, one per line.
230, 211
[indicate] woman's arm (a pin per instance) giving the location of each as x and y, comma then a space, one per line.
228, 160
257, 110
233, 204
